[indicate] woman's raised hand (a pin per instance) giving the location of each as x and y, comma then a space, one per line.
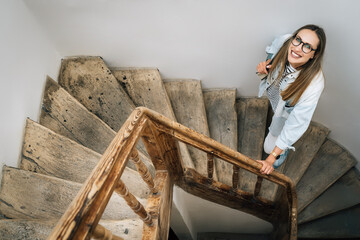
263, 67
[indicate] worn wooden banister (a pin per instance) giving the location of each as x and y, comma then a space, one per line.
235, 178
101, 233
160, 136
135, 205
143, 170
210, 165
258, 186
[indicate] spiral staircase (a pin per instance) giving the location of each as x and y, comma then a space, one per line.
82, 112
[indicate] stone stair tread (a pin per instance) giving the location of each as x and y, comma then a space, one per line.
306, 148
251, 119
222, 120
343, 194
19, 229
344, 224
146, 88
49, 153
64, 115
187, 102
329, 164
28, 195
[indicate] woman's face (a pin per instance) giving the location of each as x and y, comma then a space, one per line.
296, 56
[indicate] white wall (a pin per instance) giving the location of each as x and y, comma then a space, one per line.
27, 56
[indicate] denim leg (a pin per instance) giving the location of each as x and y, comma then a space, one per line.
281, 159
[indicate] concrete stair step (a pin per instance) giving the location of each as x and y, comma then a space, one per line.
251, 119
146, 88
20, 229
340, 225
64, 115
222, 120
187, 102
28, 195
306, 148
329, 164
343, 194
49, 153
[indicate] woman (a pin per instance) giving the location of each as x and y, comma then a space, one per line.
293, 81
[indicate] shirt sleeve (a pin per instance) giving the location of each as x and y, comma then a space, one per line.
276, 44
300, 117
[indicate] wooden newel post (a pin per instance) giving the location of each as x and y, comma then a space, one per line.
135, 205
235, 179
210, 165
258, 186
101, 233
142, 169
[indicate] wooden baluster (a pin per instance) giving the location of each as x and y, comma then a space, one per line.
210, 166
135, 205
142, 169
101, 233
258, 186
235, 178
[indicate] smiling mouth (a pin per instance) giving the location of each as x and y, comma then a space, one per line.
295, 55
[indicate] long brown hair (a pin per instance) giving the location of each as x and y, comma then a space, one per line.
308, 71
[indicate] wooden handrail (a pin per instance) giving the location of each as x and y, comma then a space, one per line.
160, 136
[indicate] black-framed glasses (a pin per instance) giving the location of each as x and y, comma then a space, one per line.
306, 47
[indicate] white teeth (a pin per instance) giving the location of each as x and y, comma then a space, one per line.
294, 54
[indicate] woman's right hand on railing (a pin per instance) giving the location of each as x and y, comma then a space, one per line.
267, 166
262, 68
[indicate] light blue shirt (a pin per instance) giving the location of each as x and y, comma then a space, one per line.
290, 123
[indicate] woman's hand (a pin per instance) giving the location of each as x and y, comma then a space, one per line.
267, 165
262, 68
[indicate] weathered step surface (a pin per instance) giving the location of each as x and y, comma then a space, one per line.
329, 164
63, 114
251, 120
90, 81
20, 229
298, 161
146, 88
27, 195
344, 193
47, 152
344, 224
306, 148
222, 120
187, 102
